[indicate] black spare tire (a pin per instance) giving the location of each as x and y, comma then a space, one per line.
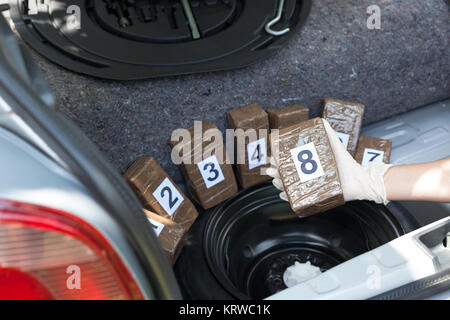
241, 248
139, 39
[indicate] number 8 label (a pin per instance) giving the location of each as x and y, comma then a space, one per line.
307, 162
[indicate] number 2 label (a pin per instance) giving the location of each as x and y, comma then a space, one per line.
210, 171
168, 196
307, 162
257, 153
372, 155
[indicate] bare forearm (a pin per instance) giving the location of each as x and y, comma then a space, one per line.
428, 181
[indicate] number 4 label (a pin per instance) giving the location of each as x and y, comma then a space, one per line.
307, 162
372, 155
168, 196
210, 171
257, 153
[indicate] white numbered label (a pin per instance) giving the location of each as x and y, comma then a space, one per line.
157, 226
344, 138
210, 171
257, 153
307, 162
168, 196
372, 155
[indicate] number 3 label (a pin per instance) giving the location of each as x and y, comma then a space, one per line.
372, 155
210, 171
257, 155
168, 196
307, 162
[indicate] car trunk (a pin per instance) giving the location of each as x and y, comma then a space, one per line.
391, 71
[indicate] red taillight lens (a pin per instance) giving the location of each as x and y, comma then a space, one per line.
50, 254
15, 285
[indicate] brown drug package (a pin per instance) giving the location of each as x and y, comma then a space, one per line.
373, 150
307, 167
206, 166
173, 213
346, 119
251, 147
284, 117
171, 235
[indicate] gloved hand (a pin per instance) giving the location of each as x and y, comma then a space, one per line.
358, 183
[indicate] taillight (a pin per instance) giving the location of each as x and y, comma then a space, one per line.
50, 254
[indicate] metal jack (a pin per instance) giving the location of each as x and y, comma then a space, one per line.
275, 20
191, 19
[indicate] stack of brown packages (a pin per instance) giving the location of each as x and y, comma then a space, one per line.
211, 180
251, 152
307, 167
346, 119
169, 210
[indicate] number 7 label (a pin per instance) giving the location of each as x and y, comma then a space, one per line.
372, 155
307, 162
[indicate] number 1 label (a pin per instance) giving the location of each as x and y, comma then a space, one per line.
168, 196
307, 162
210, 171
156, 226
257, 153
372, 155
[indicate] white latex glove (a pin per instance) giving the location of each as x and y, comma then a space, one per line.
358, 182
